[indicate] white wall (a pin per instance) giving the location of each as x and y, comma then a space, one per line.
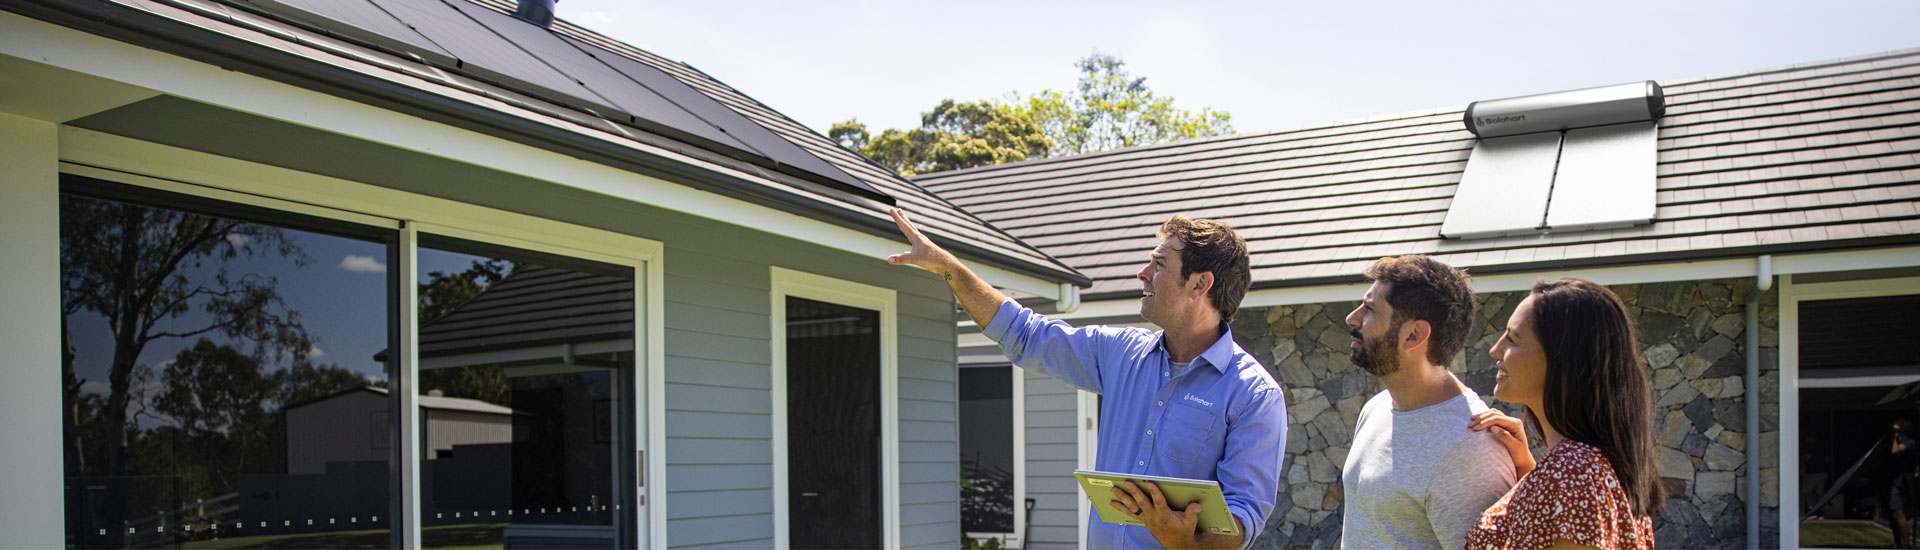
31, 464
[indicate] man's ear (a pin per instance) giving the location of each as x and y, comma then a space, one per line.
1415, 334
1200, 283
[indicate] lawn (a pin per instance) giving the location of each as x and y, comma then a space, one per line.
1844, 533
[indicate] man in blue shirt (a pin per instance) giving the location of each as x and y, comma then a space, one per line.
1183, 402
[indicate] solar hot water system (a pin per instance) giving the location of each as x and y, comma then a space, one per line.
1563, 161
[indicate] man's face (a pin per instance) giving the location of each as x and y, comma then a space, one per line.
1376, 337
1164, 296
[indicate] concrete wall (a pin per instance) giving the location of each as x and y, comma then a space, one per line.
1693, 334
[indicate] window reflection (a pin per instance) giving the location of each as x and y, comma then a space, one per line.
1859, 377
521, 366
205, 356
986, 449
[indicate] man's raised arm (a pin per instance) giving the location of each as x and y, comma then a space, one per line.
977, 297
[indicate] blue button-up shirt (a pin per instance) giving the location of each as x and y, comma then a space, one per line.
1223, 420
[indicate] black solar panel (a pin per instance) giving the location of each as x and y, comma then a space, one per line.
790, 157
361, 20
485, 53
479, 41
628, 97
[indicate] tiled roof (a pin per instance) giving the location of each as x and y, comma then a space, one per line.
1822, 155
534, 306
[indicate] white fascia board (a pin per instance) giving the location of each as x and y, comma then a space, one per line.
1813, 262
78, 51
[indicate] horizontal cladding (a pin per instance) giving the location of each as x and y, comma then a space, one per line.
1825, 151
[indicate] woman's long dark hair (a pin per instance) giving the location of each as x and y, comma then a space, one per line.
1597, 390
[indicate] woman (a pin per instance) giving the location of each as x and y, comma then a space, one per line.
1570, 355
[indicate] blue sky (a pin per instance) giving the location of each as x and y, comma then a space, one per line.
1273, 65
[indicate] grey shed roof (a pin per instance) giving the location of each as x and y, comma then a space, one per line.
250, 37
1817, 155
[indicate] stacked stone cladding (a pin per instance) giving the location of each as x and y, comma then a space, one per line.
1691, 333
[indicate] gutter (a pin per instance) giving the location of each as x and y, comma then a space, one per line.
164, 34
1763, 280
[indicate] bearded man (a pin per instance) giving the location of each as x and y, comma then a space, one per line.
1417, 475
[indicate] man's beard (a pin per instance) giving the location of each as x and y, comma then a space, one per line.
1376, 355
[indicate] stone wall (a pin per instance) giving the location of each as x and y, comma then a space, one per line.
1692, 334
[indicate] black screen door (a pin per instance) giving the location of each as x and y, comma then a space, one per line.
833, 425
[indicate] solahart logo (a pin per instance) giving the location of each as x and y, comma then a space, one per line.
1191, 397
1491, 120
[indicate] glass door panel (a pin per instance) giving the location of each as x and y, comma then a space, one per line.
526, 399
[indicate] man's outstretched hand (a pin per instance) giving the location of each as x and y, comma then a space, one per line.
977, 297
923, 253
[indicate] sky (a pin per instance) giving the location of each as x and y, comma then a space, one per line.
1272, 65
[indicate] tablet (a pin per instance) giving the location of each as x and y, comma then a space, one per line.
1214, 517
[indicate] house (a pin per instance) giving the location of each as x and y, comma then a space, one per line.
245, 200
1777, 264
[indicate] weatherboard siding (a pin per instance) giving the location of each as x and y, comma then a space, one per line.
1051, 459
718, 410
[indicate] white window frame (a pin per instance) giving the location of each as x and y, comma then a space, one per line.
1791, 294
151, 165
800, 284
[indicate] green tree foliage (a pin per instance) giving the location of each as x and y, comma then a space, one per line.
950, 137
1109, 108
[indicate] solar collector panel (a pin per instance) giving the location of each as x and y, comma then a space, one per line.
1505, 188
1606, 178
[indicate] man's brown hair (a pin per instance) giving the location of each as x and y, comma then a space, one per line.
1422, 288
1212, 247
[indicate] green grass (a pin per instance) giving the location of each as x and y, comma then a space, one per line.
1844, 533
470, 536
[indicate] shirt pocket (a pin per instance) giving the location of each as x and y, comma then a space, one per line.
1188, 434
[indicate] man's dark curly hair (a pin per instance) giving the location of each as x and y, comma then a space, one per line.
1422, 288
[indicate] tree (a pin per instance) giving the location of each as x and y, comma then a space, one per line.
1112, 108
131, 265
952, 136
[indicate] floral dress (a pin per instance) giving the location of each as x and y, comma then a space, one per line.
1573, 494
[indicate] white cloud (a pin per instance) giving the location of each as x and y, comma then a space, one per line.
239, 239
96, 387
362, 264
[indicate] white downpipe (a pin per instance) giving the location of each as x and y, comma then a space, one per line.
1763, 280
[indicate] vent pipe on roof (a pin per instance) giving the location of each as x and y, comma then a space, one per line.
538, 12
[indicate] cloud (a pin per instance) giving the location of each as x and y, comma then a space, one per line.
239, 239
362, 264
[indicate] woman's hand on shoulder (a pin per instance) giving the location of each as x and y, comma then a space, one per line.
1511, 433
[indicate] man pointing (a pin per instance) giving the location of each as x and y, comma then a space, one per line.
1182, 402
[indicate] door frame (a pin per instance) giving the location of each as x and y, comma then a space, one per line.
800, 284
151, 165
1791, 294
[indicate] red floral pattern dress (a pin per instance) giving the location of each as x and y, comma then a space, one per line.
1572, 494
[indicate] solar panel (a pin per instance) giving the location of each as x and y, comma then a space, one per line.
626, 95
759, 139
1606, 178
1504, 190
486, 54
359, 19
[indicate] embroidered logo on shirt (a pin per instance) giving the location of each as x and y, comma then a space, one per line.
1191, 397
